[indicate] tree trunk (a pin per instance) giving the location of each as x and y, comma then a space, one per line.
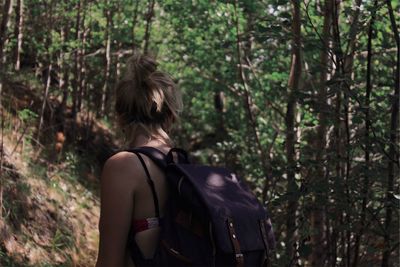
18, 30
45, 95
104, 97
7, 9
393, 146
134, 21
63, 73
367, 150
294, 82
348, 73
149, 18
83, 83
77, 65
119, 44
339, 142
317, 213
248, 103
81, 52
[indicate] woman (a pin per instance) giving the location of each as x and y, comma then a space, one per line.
147, 105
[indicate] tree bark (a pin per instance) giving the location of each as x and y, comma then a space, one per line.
107, 39
18, 30
77, 65
294, 82
45, 96
248, 103
367, 150
7, 9
149, 19
317, 213
82, 63
134, 21
63, 73
348, 73
393, 159
341, 155
119, 44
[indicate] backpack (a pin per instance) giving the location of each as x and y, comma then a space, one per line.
211, 219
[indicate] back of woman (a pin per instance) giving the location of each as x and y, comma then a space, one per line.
133, 188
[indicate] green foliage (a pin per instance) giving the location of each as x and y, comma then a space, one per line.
197, 42
27, 115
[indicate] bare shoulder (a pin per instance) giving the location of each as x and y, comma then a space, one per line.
122, 167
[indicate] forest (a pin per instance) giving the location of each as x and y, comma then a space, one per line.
300, 98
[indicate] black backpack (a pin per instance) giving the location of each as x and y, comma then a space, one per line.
212, 218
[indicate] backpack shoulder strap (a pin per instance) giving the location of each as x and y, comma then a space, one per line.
159, 159
151, 184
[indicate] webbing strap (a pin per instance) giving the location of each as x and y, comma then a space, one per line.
158, 157
264, 235
151, 184
239, 258
265, 241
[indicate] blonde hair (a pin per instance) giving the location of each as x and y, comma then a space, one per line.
146, 99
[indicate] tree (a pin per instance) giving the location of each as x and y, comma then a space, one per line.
393, 157
294, 87
149, 19
318, 212
107, 59
7, 10
18, 32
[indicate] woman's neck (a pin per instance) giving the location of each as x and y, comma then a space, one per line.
144, 140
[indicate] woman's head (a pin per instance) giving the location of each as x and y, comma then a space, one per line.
147, 99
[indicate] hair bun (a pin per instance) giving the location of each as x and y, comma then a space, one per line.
140, 67
146, 96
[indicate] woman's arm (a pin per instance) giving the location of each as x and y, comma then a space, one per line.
117, 191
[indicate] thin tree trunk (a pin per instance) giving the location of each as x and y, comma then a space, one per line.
394, 141
149, 18
2, 117
317, 213
77, 67
7, 9
107, 61
119, 45
45, 95
348, 71
350, 50
367, 150
338, 181
84, 82
294, 82
248, 103
63, 73
134, 21
219, 104
119, 58
19, 24
81, 52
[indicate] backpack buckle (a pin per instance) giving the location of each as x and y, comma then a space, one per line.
238, 255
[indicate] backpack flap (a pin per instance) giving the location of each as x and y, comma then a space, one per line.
230, 205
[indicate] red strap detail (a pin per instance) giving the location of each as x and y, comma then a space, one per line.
144, 224
140, 225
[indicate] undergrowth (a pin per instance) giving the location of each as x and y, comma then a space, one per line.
50, 207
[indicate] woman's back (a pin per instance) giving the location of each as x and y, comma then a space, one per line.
130, 223
147, 104
144, 206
